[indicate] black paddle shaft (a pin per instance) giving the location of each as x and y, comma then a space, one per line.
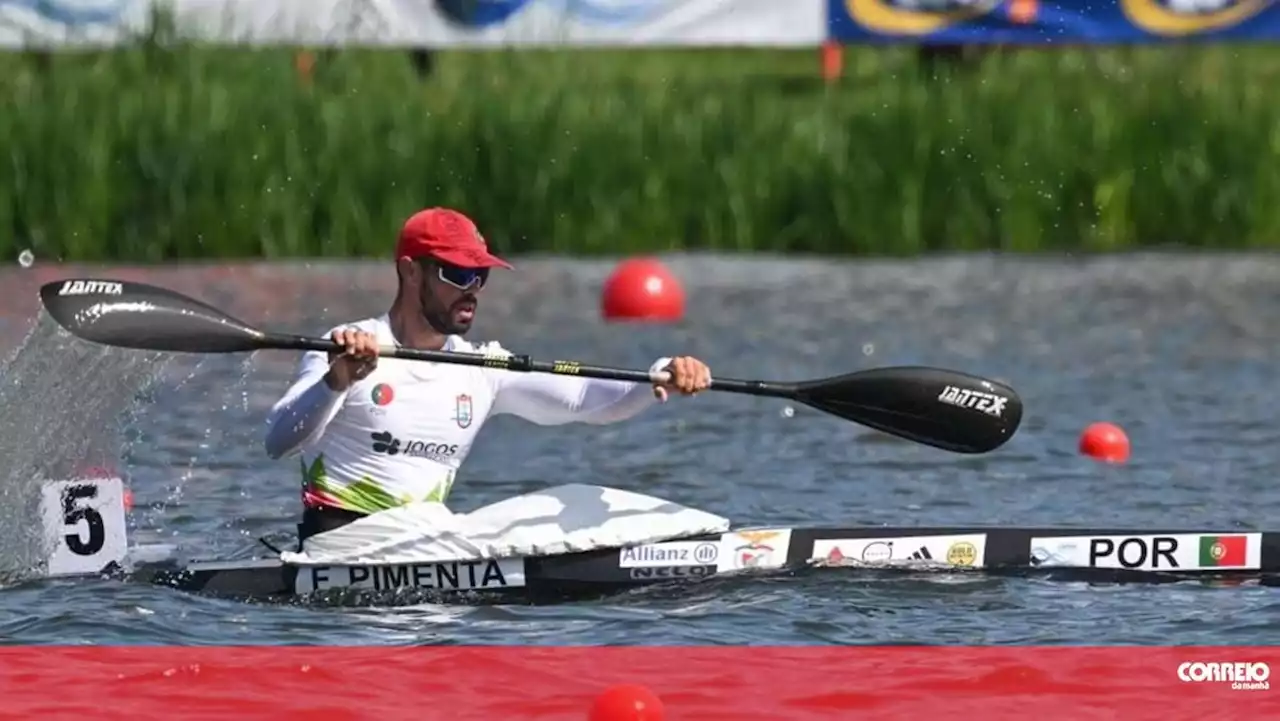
941, 408
524, 363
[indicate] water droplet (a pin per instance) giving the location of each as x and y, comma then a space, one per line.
788, 412
26, 258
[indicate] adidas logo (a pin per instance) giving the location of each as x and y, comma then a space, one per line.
922, 554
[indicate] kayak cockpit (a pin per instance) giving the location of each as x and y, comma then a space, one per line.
570, 518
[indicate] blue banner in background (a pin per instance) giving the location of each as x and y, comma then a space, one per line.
1037, 22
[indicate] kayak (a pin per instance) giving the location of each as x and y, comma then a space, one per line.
577, 541
1062, 554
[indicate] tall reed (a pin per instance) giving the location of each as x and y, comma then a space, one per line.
162, 152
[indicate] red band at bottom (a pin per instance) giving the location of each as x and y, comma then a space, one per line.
513, 683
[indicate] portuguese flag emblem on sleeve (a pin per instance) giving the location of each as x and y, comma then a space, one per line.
1223, 550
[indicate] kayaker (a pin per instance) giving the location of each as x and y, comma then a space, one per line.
377, 433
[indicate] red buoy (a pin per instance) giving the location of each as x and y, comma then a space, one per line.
642, 289
627, 702
1105, 442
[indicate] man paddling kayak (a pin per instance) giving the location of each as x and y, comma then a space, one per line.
377, 433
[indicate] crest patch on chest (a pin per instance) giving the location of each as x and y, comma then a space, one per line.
462, 410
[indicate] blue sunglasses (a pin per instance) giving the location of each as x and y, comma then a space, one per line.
463, 278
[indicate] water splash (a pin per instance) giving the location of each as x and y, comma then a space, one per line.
66, 403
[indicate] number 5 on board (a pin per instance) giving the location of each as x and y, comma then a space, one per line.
84, 525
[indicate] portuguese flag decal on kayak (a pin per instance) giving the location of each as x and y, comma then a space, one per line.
1223, 550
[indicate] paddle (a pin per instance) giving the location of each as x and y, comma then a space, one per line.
940, 408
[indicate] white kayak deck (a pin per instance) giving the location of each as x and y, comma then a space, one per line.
562, 519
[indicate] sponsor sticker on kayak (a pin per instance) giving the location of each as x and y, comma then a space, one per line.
748, 549
664, 573
965, 551
670, 554
1151, 552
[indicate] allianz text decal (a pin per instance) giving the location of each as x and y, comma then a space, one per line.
671, 554
1153, 552
964, 550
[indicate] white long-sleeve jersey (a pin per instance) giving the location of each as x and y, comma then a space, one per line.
400, 434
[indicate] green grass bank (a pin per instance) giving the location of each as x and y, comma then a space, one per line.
145, 154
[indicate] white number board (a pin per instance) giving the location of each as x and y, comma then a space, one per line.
84, 525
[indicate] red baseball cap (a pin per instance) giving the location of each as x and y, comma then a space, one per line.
447, 236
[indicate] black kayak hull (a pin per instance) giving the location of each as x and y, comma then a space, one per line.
1068, 554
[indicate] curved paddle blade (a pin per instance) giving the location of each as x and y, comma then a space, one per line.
940, 408
137, 315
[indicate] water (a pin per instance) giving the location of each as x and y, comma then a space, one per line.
1178, 350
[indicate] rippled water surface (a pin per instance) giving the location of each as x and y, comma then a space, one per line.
1181, 351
